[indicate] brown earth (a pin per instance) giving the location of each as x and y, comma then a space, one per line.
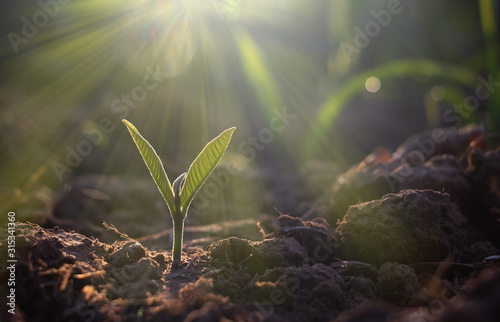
409, 236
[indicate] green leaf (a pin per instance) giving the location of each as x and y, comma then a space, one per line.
178, 184
201, 168
154, 165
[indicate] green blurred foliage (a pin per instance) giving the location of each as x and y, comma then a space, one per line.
232, 64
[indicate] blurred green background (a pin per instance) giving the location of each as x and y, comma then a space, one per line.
351, 75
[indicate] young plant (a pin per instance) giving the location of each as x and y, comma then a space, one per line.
179, 195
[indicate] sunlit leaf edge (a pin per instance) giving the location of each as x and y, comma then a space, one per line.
202, 167
154, 165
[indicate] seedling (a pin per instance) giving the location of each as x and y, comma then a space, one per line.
179, 195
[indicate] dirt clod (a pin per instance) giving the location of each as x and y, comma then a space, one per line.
408, 227
398, 283
259, 256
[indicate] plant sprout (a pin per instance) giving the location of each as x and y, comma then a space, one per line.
179, 195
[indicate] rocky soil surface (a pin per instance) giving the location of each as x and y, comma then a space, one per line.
412, 235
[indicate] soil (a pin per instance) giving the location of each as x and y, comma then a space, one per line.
412, 235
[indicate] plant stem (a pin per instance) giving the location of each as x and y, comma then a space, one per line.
178, 235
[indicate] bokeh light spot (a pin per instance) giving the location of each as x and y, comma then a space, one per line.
438, 93
372, 84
